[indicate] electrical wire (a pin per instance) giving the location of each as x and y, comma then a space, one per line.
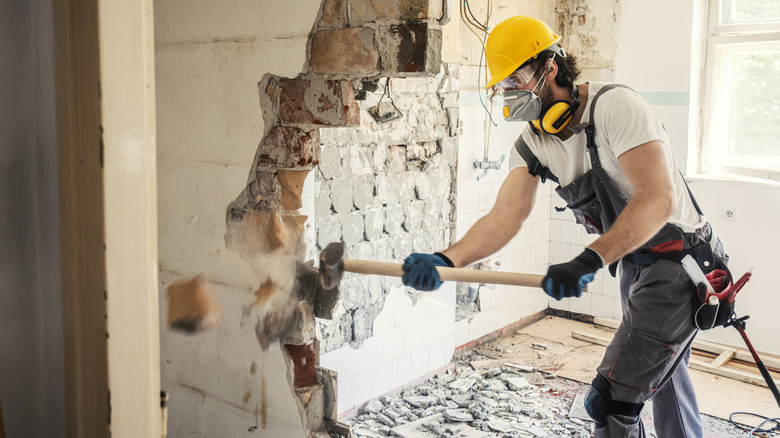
476, 27
759, 430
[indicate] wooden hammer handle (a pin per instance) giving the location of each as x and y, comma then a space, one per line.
447, 274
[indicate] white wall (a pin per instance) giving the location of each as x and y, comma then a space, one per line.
210, 57
31, 343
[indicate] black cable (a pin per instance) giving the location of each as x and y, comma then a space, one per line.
473, 17
758, 429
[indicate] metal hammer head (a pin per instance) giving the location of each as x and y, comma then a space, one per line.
331, 265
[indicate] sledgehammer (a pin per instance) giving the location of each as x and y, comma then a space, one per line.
333, 265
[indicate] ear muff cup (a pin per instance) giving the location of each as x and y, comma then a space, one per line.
556, 116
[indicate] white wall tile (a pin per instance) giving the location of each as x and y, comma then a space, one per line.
402, 370
582, 304
603, 306
331, 360
419, 361
382, 379
373, 352
559, 252
436, 355
361, 389
351, 362
564, 304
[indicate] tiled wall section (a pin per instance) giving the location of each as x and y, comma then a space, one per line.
529, 250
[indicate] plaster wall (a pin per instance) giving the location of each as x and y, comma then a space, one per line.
209, 58
31, 363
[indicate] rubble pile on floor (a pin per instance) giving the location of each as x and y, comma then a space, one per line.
480, 398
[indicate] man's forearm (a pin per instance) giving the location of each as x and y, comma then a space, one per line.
643, 217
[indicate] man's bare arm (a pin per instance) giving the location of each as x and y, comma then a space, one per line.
648, 209
513, 205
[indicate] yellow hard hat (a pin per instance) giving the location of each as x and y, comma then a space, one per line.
513, 42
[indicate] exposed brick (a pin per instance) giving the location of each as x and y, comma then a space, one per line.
304, 364
318, 102
292, 187
334, 15
349, 52
365, 11
409, 48
264, 191
289, 147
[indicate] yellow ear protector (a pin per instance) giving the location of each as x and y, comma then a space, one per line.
555, 117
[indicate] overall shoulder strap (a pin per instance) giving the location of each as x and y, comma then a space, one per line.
592, 129
535, 168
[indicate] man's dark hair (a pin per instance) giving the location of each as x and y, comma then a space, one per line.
568, 72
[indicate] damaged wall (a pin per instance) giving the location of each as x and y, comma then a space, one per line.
387, 191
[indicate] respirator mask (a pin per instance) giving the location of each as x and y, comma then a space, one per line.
524, 105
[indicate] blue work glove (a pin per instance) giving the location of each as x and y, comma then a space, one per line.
567, 280
420, 270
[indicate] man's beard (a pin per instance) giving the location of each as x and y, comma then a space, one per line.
546, 96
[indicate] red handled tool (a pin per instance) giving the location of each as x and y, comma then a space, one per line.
739, 324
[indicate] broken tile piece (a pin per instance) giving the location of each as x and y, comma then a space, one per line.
499, 425
420, 401
535, 378
457, 415
517, 383
374, 406
521, 367
536, 431
462, 385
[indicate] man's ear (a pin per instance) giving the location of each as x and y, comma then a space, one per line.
553, 69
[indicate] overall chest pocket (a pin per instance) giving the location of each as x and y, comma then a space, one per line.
581, 198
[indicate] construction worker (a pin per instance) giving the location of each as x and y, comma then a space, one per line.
606, 148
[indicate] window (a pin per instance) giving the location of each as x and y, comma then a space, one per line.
741, 107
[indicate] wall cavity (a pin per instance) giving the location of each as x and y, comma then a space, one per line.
387, 190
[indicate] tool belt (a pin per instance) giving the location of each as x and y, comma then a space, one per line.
711, 306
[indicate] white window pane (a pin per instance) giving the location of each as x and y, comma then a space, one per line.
754, 110
742, 11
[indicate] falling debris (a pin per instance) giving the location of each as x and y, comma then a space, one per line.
192, 306
264, 292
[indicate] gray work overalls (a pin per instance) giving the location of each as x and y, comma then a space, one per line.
648, 357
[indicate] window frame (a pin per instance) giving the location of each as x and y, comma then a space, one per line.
722, 38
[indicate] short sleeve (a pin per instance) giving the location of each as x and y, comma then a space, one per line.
626, 120
515, 159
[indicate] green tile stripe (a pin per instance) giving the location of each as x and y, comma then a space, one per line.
680, 98
676, 98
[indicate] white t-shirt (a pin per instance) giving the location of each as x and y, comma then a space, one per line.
624, 120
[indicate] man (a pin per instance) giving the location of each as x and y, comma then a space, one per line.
606, 148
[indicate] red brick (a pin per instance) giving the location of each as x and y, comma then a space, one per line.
289, 147
304, 364
318, 102
348, 52
365, 11
409, 48
334, 15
